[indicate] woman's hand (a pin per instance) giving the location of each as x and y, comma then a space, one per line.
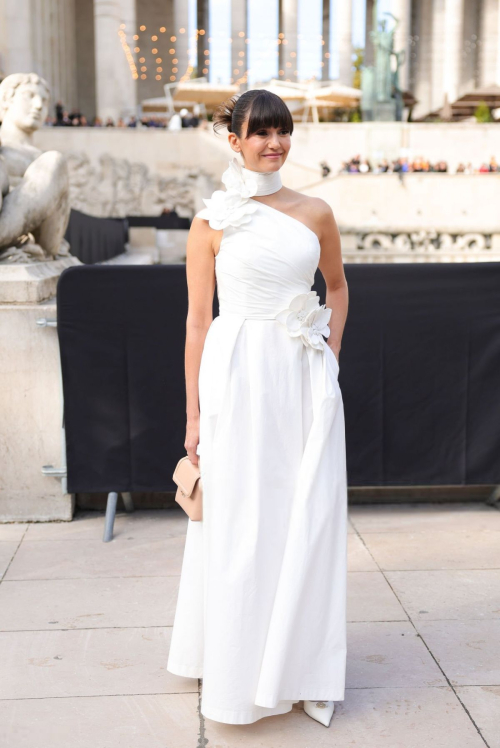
192, 438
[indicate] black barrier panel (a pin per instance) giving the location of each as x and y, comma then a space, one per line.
164, 221
95, 239
418, 373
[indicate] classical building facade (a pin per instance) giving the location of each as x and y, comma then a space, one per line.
103, 56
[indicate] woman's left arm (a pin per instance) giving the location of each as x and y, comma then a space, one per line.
332, 268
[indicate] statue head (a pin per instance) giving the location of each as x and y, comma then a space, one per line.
24, 100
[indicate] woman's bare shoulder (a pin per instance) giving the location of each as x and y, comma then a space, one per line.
315, 206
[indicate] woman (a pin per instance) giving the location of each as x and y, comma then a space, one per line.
261, 606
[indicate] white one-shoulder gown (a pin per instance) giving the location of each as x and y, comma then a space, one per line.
261, 608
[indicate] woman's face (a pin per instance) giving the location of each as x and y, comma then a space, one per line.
265, 150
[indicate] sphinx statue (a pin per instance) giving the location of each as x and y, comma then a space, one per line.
34, 185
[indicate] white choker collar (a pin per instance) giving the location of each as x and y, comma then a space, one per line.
267, 181
248, 183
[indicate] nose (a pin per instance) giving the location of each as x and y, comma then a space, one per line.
37, 102
274, 141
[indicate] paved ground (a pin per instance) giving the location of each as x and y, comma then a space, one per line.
85, 629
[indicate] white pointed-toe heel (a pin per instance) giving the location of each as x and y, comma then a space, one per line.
321, 711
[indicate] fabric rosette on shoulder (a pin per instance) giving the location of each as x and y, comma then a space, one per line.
231, 207
307, 319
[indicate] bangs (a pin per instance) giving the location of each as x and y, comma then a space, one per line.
268, 110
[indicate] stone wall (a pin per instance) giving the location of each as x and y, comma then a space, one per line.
162, 150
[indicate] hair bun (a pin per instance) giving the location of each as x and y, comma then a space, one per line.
223, 114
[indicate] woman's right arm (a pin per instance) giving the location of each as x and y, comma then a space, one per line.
200, 272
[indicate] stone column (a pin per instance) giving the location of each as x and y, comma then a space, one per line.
344, 41
181, 31
239, 51
453, 44
489, 51
128, 19
202, 43
15, 34
326, 31
402, 11
113, 97
497, 68
438, 54
423, 69
287, 57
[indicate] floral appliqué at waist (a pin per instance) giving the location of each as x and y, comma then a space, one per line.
307, 319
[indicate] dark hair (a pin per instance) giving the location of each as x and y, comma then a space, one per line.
263, 108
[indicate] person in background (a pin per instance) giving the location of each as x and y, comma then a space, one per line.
59, 113
175, 122
325, 169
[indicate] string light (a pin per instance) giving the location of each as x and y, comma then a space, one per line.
128, 53
274, 50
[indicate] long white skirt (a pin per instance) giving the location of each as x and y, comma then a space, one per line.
261, 609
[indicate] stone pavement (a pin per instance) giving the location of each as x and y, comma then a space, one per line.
85, 629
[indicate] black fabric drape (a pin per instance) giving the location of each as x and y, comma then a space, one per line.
95, 239
418, 372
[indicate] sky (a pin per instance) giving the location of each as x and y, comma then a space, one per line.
263, 32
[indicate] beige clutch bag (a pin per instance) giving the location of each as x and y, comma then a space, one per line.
189, 490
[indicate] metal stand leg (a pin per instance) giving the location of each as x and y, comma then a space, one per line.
128, 502
110, 516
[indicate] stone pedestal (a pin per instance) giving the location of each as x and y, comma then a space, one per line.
30, 395
34, 282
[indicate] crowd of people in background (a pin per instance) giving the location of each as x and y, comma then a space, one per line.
357, 165
184, 118
75, 118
